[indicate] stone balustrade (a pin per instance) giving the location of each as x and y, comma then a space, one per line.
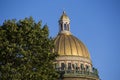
77, 73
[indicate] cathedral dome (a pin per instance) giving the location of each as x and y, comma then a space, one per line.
69, 45
65, 43
74, 61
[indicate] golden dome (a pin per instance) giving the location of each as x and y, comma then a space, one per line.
69, 45
64, 17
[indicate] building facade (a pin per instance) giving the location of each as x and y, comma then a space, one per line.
74, 62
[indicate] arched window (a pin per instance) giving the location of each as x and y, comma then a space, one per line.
69, 66
87, 68
76, 66
62, 66
56, 65
61, 26
65, 27
82, 67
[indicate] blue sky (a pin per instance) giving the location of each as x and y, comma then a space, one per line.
94, 22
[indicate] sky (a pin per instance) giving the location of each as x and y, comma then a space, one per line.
95, 22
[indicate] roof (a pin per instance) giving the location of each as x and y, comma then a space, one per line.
64, 16
70, 45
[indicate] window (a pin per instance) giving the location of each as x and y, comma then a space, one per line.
68, 27
69, 66
87, 68
76, 66
56, 65
61, 27
62, 66
65, 27
82, 67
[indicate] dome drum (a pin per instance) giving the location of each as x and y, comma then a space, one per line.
73, 60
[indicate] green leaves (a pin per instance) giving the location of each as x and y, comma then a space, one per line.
26, 51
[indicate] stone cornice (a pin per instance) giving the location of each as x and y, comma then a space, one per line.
73, 58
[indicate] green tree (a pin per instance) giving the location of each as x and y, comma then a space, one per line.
26, 51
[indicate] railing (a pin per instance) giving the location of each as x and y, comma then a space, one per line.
78, 73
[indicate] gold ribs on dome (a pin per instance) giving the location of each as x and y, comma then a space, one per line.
70, 45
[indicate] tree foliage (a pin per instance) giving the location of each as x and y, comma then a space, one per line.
25, 51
